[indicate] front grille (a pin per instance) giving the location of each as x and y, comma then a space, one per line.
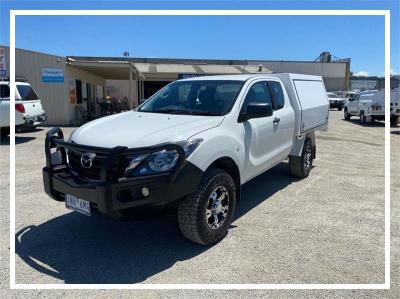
74, 162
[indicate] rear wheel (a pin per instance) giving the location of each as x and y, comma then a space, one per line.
339, 108
5, 131
346, 114
394, 120
301, 166
205, 215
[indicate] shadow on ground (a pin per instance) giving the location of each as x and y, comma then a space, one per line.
5, 140
356, 121
79, 249
30, 130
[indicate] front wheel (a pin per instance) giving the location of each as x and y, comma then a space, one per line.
347, 115
362, 118
339, 108
205, 215
301, 166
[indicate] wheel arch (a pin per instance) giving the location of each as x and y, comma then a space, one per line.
299, 143
228, 164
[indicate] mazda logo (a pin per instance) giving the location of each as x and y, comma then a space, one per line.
87, 160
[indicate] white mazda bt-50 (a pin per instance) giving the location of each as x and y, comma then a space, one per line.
191, 145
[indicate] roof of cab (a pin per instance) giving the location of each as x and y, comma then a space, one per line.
245, 77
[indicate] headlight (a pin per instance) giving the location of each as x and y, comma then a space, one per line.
159, 162
163, 160
190, 145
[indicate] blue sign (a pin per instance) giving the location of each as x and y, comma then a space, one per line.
186, 76
3, 73
52, 75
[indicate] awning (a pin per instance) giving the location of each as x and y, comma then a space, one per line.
113, 70
119, 70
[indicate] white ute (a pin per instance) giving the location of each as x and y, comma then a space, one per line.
28, 107
370, 105
190, 146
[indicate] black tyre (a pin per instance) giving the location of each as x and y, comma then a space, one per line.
347, 115
205, 215
301, 166
5, 131
340, 108
362, 118
394, 120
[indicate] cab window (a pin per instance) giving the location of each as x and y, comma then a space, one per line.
278, 99
258, 93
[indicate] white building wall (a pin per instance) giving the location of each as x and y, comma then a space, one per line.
333, 73
86, 77
54, 96
120, 89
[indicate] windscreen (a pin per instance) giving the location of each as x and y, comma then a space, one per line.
197, 97
27, 93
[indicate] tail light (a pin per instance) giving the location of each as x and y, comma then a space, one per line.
20, 108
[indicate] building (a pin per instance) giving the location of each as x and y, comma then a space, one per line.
72, 84
373, 82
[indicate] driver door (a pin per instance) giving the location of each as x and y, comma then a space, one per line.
352, 105
261, 136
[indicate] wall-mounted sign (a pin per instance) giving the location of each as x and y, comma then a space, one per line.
185, 76
52, 75
3, 66
72, 91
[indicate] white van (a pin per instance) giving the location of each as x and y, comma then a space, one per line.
370, 105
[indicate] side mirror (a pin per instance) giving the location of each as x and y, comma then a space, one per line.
255, 110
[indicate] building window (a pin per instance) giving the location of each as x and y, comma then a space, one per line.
78, 91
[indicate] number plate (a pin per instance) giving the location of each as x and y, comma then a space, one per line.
77, 204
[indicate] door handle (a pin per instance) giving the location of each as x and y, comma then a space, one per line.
276, 120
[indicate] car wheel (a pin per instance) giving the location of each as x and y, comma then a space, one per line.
347, 115
205, 215
5, 131
394, 120
301, 166
340, 108
362, 118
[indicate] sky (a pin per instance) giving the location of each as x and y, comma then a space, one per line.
360, 38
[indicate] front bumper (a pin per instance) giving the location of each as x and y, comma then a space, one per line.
110, 195
336, 104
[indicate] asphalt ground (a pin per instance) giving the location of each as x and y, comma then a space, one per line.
327, 228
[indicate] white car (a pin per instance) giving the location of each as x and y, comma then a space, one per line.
191, 145
5, 110
335, 101
29, 111
370, 105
